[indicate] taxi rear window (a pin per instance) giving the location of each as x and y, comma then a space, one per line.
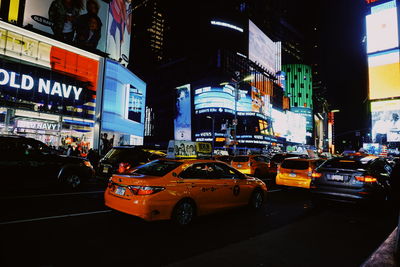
241, 159
295, 165
158, 167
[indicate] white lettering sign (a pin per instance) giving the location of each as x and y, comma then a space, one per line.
37, 125
44, 86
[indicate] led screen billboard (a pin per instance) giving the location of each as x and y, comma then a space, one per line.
183, 115
55, 79
90, 24
289, 125
385, 117
382, 30
384, 75
123, 101
263, 50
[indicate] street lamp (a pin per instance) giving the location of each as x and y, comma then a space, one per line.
236, 86
213, 134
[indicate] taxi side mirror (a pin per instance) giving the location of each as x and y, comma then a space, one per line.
174, 174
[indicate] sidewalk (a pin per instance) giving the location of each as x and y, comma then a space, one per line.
384, 255
328, 241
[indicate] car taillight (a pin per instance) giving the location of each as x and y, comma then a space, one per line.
316, 174
123, 167
145, 190
269, 164
87, 164
278, 169
366, 179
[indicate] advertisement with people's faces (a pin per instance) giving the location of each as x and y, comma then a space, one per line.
183, 119
385, 121
83, 23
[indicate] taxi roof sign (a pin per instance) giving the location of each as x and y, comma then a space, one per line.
188, 149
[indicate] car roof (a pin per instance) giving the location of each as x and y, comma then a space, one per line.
302, 159
191, 160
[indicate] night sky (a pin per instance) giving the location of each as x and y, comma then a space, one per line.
345, 62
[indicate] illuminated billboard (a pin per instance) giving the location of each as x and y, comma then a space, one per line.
90, 25
384, 75
56, 79
123, 101
263, 50
385, 117
183, 116
382, 29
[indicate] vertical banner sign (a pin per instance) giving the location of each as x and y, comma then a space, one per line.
183, 114
119, 30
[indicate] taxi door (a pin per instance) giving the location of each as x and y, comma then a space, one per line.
235, 190
200, 182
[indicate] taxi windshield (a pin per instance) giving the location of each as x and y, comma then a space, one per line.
157, 167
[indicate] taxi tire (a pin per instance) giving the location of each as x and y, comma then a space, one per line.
184, 206
254, 202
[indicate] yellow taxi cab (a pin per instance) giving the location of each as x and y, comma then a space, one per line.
297, 172
180, 189
254, 165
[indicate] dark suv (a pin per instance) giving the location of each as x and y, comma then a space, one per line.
352, 179
121, 158
29, 163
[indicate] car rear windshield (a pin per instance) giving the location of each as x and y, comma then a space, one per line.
295, 165
241, 159
118, 154
346, 163
158, 167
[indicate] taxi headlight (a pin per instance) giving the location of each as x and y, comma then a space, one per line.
145, 190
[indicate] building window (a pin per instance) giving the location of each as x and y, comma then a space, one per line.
299, 70
295, 104
306, 95
302, 85
295, 77
292, 85
299, 94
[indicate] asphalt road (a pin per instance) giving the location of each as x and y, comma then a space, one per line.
56, 228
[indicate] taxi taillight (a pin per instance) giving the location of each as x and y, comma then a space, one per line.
366, 179
123, 167
316, 174
145, 190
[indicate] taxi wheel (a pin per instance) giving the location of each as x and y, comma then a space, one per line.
184, 212
256, 200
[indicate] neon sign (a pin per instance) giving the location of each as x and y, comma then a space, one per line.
26, 82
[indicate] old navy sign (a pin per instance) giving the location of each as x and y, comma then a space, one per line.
39, 125
43, 86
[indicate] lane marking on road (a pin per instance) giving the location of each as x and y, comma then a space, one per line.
273, 191
52, 195
55, 217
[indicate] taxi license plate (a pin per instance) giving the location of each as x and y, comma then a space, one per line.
239, 165
120, 191
292, 174
105, 170
338, 178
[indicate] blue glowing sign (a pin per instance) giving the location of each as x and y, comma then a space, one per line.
123, 100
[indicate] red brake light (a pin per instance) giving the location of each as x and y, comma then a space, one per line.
366, 179
124, 167
315, 174
145, 190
